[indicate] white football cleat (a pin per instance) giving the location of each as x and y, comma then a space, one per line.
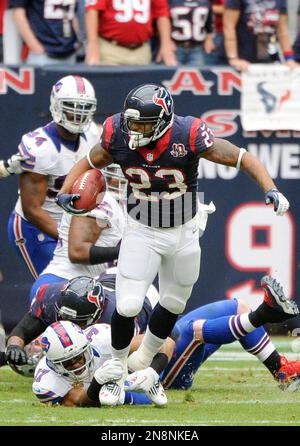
157, 394
148, 381
142, 379
110, 394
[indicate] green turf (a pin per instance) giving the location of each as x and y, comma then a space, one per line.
231, 389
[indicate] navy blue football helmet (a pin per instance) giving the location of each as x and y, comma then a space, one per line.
81, 301
147, 103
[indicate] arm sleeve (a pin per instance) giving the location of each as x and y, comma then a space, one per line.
41, 156
99, 5
102, 254
209, 22
107, 134
233, 4
283, 7
17, 4
201, 137
28, 328
160, 8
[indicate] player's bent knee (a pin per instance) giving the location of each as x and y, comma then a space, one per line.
173, 305
129, 307
242, 307
198, 327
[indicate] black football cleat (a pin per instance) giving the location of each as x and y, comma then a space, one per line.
275, 299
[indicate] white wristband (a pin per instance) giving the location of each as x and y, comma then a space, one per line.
90, 162
241, 154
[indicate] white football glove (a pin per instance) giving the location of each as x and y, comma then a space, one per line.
12, 165
111, 370
280, 203
141, 380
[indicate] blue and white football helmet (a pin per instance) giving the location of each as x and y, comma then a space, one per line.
73, 103
68, 351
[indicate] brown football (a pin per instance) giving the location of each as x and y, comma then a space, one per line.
91, 186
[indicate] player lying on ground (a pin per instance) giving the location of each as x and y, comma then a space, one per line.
203, 331
199, 334
82, 300
75, 366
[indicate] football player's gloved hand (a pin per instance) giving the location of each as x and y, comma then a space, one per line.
281, 204
111, 370
66, 201
12, 165
16, 355
142, 380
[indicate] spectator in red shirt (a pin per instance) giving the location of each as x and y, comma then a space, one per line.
120, 34
3, 4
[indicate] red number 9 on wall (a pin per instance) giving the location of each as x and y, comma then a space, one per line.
258, 240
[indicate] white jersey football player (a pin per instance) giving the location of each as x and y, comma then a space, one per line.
45, 157
87, 244
75, 366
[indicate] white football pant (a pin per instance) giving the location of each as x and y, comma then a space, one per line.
173, 253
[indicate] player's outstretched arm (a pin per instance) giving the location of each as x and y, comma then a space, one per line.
224, 152
12, 166
27, 329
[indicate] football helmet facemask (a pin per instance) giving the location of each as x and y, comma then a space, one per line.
68, 351
115, 181
73, 103
81, 301
147, 104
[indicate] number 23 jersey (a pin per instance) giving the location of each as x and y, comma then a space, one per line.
162, 177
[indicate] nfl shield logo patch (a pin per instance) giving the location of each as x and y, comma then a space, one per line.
150, 157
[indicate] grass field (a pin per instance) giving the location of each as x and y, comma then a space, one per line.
231, 389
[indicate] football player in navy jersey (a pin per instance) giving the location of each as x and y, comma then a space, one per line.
47, 29
192, 30
158, 152
82, 300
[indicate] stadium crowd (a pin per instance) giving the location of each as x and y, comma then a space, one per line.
171, 32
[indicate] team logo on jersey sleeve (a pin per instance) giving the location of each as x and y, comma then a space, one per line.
178, 150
